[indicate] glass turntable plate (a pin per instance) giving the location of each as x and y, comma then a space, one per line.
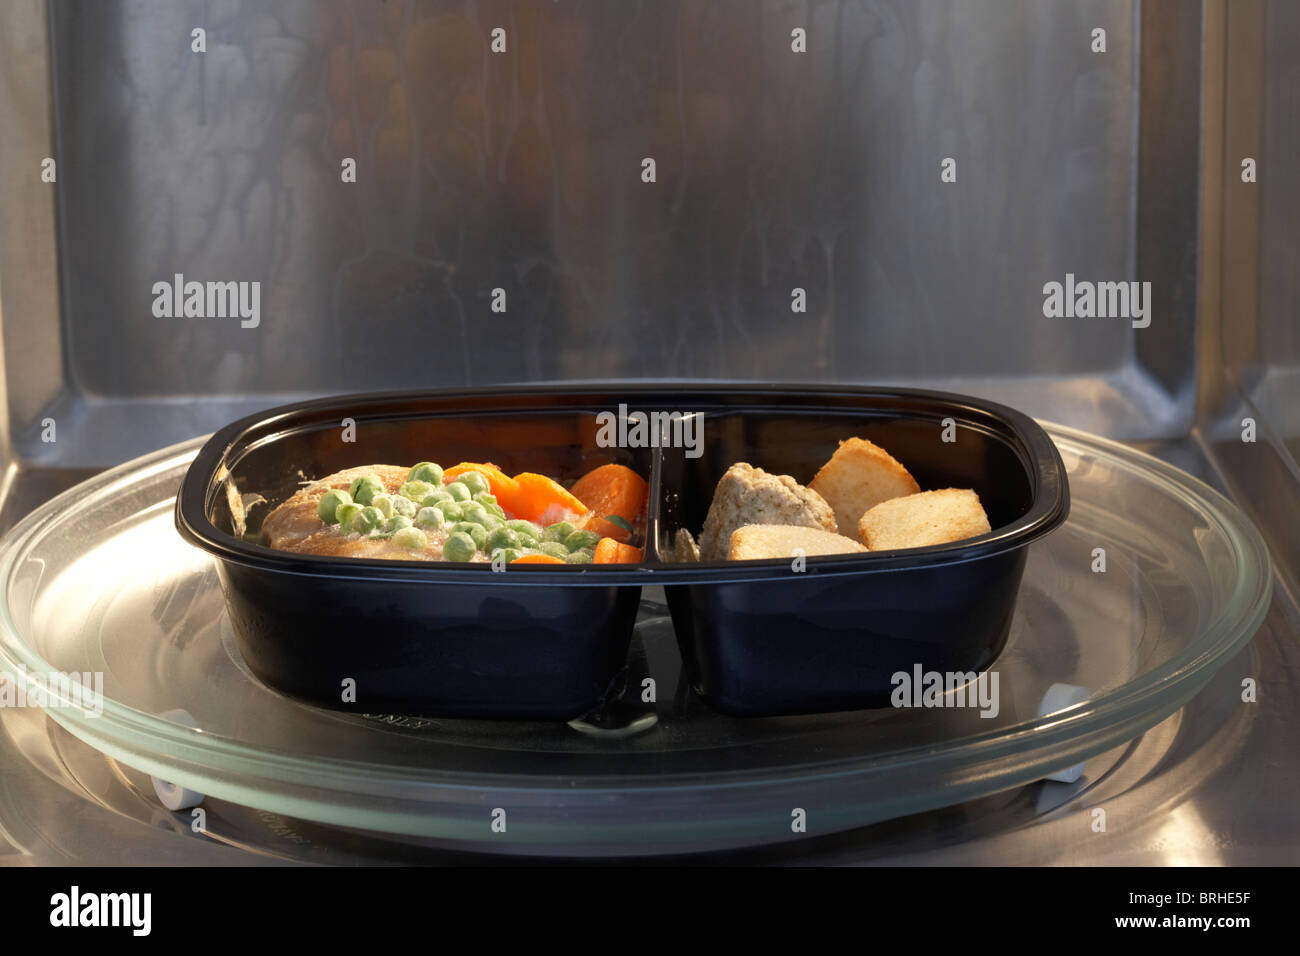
98, 581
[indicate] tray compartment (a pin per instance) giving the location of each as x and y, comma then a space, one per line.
759, 638
432, 639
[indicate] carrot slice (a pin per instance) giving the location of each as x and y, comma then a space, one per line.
612, 490
504, 488
545, 501
609, 551
538, 559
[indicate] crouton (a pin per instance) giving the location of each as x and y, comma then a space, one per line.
859, 476
748, 495
920, 520
783, 540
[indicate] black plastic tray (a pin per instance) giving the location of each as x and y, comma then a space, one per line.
757, 637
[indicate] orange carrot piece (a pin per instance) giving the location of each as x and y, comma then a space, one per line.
545, 501
538, 559
609, 551
455, 471
612, 490
606, 551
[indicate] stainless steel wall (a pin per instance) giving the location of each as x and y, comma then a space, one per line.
1271, 372
1249, 419
522, 171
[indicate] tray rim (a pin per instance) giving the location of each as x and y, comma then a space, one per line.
1039, 456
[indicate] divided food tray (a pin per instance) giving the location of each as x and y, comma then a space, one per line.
545, 642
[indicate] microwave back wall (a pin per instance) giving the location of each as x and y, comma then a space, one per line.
212, 207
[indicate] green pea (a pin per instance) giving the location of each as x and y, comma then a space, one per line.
416, 490
485, 498
426, 471
498, 511
329, 505
450, 509
581, 556
529, 533
502, 537
474, 481
396, 523
346, 513
553, 548
365, 487
438, 494
430, 518
458, 490
459, 547
491, 521
558, 531
412, 538
366, 520
525, 543
473, 511
582, 540
403, 506
506, 555
475, 531
384, 502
